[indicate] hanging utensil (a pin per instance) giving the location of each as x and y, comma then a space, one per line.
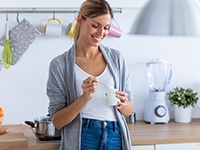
6, 56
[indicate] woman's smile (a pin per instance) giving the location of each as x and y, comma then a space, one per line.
98, 39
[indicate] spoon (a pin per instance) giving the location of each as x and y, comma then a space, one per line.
107, 86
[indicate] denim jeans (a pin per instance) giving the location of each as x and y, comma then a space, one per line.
100, 135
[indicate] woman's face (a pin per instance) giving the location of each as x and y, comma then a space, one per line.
94, 30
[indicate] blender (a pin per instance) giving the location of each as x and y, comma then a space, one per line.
159, 76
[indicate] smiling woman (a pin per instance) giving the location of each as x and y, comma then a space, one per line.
82, 112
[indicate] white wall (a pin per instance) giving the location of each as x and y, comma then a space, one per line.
23, 86
66, 3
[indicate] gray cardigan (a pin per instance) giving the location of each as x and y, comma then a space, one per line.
61, 90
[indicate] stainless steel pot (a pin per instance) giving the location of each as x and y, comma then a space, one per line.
44, 126
131, 118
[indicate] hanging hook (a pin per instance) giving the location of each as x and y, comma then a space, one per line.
33, 10
75, 14
53, 15
17, 17
116, 22
6, 16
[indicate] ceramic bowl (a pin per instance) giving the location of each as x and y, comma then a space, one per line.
1, 121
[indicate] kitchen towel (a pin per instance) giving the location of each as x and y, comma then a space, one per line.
21, 37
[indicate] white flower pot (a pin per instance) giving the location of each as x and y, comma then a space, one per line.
182, 115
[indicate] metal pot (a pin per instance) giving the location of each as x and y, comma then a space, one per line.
44, 126
131, 118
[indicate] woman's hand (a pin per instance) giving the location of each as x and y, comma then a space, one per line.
125, 106
67, 114
123, 97
89, 86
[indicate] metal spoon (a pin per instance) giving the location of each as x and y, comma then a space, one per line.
107, 86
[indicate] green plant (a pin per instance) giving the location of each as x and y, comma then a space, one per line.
183, 97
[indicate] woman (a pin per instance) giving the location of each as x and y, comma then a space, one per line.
78, 101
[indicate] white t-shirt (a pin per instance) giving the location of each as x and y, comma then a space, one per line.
97, 107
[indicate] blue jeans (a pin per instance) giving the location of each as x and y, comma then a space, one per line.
100, 135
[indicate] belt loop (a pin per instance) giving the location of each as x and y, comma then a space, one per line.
87, 123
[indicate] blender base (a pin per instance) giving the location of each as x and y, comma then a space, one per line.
156, 110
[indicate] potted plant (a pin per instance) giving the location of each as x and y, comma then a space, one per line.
183, 101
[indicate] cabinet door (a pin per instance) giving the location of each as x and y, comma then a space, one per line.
143, 147
180, 146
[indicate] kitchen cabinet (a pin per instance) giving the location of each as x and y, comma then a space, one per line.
143, 147
179, 146
175, 146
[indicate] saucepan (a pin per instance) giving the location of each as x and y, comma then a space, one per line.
44, 126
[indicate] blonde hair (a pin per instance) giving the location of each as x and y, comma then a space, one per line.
91, 9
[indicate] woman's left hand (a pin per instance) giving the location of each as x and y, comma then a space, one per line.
123, 97
125, 106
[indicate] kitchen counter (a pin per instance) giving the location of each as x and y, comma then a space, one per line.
24, 138
147, 134
34, 144
141, 134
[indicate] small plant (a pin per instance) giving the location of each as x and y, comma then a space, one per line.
183, 97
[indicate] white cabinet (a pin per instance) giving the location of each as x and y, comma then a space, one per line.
180, 146
143, 147
177, 146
